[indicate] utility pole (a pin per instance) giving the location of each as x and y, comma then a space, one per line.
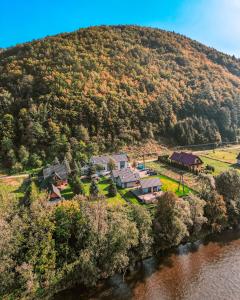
144, 161
181, 181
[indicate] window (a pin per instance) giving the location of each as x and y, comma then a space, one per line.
122, 164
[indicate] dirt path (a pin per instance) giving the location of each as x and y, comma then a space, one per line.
218, 149
14, 176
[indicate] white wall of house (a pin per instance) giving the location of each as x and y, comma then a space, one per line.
119, 166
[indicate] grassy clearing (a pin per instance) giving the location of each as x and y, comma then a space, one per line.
128, 195
14, 186
219, 166
172, 185
191, 180
103, 185
225, 155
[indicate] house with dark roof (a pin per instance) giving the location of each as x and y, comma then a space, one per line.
120, 161
149, 190
58, 173
150, 185
55, 193
186, 159
125, 178
238, 159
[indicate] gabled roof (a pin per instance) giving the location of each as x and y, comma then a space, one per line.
56, 191
58, 175
151, 182
129, 177
100, 160
59, 170
116, 172
104, 159
119, 157
185, 158
126, 175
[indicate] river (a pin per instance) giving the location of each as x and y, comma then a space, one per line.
203, 271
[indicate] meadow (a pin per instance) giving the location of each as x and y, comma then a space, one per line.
219, 166
13, 185
224, 155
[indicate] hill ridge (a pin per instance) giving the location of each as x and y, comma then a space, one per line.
99, 88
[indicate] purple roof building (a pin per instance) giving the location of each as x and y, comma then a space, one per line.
186, 159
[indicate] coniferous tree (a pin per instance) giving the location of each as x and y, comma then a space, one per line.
93, 190
112, 189
77, 186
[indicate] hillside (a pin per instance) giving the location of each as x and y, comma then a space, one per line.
100, 88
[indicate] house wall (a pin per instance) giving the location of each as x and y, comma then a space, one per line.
122, 165
118, 182
130, 184
155, 188
53, 196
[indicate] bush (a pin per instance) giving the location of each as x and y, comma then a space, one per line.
18, 167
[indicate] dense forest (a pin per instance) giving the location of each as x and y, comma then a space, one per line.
100, 88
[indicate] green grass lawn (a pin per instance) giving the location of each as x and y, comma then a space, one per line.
219, 166
15, 186
128, 195
225, 155
67, 193
124, 195
172, 185
191, 180
103, 189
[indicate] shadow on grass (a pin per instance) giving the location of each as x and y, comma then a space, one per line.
23, 187
235, 166
104, 181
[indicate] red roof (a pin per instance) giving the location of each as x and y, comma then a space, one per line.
187, 159
56, 191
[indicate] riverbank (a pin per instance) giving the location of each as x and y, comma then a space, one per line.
200, 270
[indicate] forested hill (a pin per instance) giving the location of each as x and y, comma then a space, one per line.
102, 87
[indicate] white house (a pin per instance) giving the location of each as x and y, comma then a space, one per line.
125, 178
120, 160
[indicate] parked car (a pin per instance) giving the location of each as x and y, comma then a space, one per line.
140, 166
151, 172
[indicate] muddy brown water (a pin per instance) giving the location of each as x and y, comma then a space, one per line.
204, 270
